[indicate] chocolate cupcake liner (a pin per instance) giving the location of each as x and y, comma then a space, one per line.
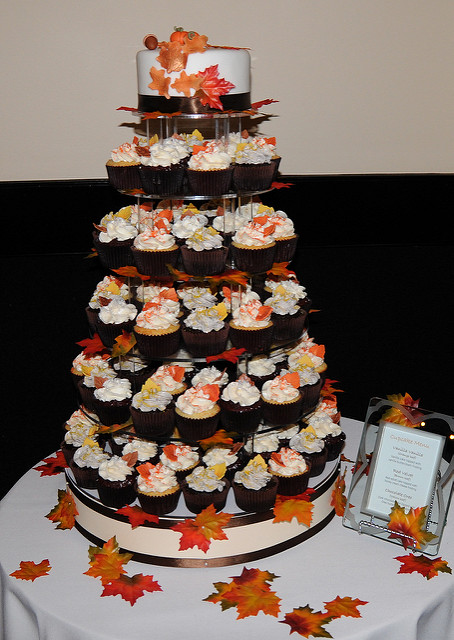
108, 332
286, 249
253, 340
116, 494
253, 260
164, 181
334, 445
196, 501
288, 327
113, 412
124, 178
293, 485
201, 344
153, 424
251, 500
210, 183
281, 413
240, 419
85, 477
317, 461
159, 505
253, 177
200, 263
311, 395
86, 395
195, 429
158, 345
113, 254
155, 263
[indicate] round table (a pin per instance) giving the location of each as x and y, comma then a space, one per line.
65, 604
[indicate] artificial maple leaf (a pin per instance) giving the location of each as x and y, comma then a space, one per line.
159, 82
288, 507
107, 562
230, 354
171, 57
212, 87
220, 437
131, 272
328, 389
395, 415
344, 607
137, 516
307, 622
411, 523
53, 465
123, 344
133, 109
338, 499
153, 115
92, 346
65, 511
281, 185
187, 83
261, 103
195, 44
280, 269
131, 588
113, 428
249, 592
201, 530
423, 565
231, 276
29, 570
179, 275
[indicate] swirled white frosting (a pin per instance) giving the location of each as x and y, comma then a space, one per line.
279, 390
230, 222
205, 479
114, 469
250, 153
166, 377
78, 433
283, 305
84, 418
219, 455
283, 225
233, 298
126, 152
117, 312
196, 297
89, 456
205, 319
210, 375
159, 479
292, 287
287, 462
118, 229
204, 239
306, 442
255, 234
145, 449
324, 426
108, 288
195, 400
155, 316
151, 400
210, 158
179, 457
165, 153
262, 442
154, 239
249, 313
242, 391
260, 367
114, 389
254, 476
186, 225
82, 362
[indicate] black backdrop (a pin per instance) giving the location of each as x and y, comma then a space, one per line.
375, 254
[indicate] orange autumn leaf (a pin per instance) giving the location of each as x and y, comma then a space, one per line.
395, 415
186, 83
212, 391
344, 607
137, 516
123, 344
65, 511
231, 276
153, 115
131, 588
113, 428
261, 103
159, 82
213, 87
196, 44
292, 378
288, 507
92, 346
338, 499
249, 592
220, 437
201, 530
307, 622
280, 269
130, 272
29, 570
171, 57
230, 354
107, 562
281, 185
52, 466
179, 275
408, 527
423, 565
328, 389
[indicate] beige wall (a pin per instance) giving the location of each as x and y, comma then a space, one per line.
364, 86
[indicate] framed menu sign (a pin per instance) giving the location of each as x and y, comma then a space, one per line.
403, 469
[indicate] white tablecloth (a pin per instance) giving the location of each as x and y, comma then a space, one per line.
66, 604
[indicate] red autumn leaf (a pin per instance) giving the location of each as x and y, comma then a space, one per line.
409, 527
201, 530
220, 437
423, 565
307, 622
130, 272
338, 499
53, 465
328, 389
250, 593
280, 269
131, 588
344, 607
212, 87
65, 511
29, 570
153, 115
107, 562
92, 346
261, 103
288, 507
123, 344
137, 516
132, 109
230, 354
413, 415
281, 185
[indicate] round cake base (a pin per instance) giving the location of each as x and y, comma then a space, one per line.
250, 536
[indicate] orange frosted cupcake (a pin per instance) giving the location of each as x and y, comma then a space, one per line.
282, 399
251, 327
253, 246
197, 412
291, 470
158, 490
157, 331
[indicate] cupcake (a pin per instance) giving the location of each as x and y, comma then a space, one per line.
288, 317
259, 369
232, 456
142, 450
234, 297
181, 458
310, 355
94, 374
83, 364
190, 222
85, 464
253, 246
254, 487
253, 169
284, 235
291, 470
251, 327
134, 368
310, 387
152, 411
240, 404
206, 486
116, 482
282, 400
330, 432
123, 167
114, 318
112, 401
154, 250
312, 449
113, 241
210, 375
109, 288
209, 170
264, 442
78, 428
157, 488
170, 378
157, 331
163, 167
203, 253
292, 287
205, 331
197, 412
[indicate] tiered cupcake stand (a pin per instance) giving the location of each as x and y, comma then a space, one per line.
249, 536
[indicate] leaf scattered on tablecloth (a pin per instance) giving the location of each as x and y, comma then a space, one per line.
309, 623
65, 511
53, 465
29, 570
288, 507
409, 523
344, 607
201, 530
429, 568
137, 516
107, 562
250, 593
338, 499
131, 588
